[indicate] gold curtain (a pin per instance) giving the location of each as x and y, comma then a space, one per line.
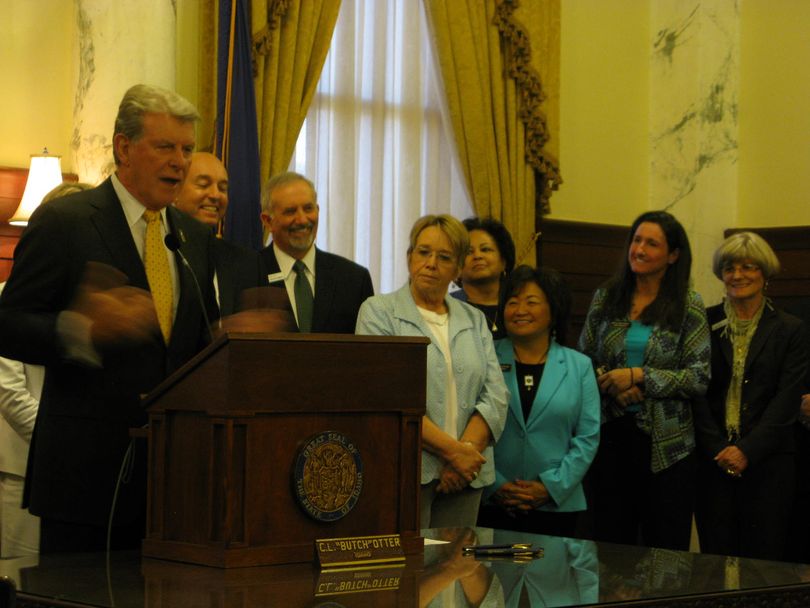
493, 95
290, 41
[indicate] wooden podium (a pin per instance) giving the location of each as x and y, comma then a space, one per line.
226, 430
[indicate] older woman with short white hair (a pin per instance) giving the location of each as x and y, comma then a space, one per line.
745, 424
466, 395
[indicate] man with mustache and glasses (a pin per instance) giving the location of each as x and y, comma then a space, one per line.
325, 290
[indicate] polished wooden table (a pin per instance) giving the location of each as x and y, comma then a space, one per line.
571, 573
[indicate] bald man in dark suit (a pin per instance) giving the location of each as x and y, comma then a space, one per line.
204, 196
82, 302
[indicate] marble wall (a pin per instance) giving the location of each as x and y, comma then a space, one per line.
710, 123
694, 91
118, 44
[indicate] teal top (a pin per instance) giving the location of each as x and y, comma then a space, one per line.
635, 343
676, 371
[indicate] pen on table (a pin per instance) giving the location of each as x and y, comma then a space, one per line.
509, 553
480, 548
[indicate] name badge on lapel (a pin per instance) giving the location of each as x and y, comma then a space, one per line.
275, 277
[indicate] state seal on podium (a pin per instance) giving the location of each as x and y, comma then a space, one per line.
328, 476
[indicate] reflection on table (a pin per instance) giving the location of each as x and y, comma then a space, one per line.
571, 573
450, 578
567, 575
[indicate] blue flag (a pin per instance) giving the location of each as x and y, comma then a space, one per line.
237, 143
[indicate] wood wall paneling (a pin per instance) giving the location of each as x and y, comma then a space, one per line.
12, 186
587, 255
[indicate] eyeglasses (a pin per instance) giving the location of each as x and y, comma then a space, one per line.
746, 268
442, 257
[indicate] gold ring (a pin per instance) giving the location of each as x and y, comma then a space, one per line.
730, 471
475, 476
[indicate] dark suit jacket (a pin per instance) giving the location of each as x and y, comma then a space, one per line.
237, 269
341, 286
801, 308
85, 413
774, 375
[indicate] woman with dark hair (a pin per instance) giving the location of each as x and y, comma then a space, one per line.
745, 427
552, 428
647, 335
489, 261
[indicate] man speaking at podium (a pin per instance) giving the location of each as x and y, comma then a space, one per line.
97, 298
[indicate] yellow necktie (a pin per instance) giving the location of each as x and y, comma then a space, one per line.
157, 272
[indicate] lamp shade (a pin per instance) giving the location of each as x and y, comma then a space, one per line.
44, 175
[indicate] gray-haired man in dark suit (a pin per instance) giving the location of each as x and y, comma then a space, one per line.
85, 301
334, 286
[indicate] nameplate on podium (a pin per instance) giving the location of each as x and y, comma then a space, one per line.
359, 551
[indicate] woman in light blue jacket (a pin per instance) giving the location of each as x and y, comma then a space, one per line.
465, 392
552, 429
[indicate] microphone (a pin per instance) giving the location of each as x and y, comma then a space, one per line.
173, 244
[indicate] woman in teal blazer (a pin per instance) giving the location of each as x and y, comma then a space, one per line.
552, 428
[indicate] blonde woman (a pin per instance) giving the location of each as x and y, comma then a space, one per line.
466, 395
745, 424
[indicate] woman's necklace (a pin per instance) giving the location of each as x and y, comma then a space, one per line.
529, 378
478, 300
492, 321
493, 325
641, 300
638, 305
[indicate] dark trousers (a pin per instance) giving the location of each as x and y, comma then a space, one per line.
533, 522
746, 516
631, 504
798, 543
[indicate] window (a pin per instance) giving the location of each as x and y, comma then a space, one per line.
375, 141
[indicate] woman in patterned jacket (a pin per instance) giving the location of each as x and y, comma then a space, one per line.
647, 335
